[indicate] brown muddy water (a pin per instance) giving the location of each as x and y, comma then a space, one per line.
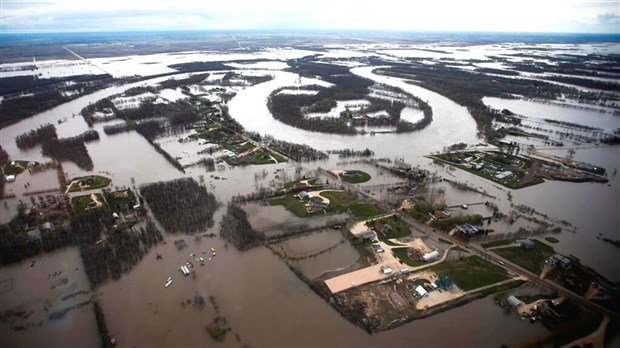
263, 301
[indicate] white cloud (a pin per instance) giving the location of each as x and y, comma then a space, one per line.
473, 15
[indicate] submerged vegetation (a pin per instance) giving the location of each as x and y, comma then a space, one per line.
236, 229
181, 205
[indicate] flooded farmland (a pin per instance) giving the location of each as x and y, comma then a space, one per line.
261, 299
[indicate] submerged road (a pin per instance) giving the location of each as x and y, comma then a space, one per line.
485, 255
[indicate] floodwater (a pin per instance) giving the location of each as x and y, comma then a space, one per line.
263, 301
34, 291
548, 111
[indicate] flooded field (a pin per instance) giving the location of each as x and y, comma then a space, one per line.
263, 301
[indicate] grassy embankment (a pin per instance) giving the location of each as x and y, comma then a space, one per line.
79, 203
471, 272
355, 177
531, 259
339, 202
89, 183
18, 168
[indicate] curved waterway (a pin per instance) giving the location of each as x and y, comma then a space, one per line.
451, 124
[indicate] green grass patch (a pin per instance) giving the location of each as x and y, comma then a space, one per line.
497, 243
355, 176
398, 228
471, 272
533, 259
365, 210
401, 253
552, 240
15, 169
90, 182
82, 204
291, 204
534, 298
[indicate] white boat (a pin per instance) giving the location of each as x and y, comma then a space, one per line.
168, 282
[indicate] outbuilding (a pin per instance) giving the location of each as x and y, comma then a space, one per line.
421, 291
525, 243
513, 301
10, 178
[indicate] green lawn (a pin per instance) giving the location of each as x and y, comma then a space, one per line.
291, 204
531, 299
90, 182
399, 228
401, 253
471, 272
18, 168
533, 259
357, 178
79, 203
365, 210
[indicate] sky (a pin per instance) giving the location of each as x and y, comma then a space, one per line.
574, 16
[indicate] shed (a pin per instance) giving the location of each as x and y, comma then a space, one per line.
525, 243
304, 195
430, 256
386, 270
561, 259
513, 301
47, 226
421, 291
366, 235
503, 175
10, 178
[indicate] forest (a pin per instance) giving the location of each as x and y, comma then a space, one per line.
236, 229
66, 149
46, 95
457, 85
181, 205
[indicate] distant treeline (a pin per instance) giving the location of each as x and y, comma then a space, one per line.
181, 205
45, 95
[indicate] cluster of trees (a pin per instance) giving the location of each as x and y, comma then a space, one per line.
353, 153
4, 159
449, 223
119, 251
71, 149
181, 205
296, 152
89, 110
65, 149
236, 229
178, 113
176, 83
200, 66
36, 137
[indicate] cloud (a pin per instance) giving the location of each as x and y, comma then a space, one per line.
472, 15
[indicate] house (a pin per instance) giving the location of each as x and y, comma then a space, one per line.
303, 195
383, 228
318, 202
503, 175
478, 166
47, 226
386, 270
468, 159
421, 291
513, 301
10, 178
366, 235
525, 243
433, 255
443, 282
377, 248
560, 259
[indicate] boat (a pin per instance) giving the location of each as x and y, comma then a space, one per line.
168, 282
212, 250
